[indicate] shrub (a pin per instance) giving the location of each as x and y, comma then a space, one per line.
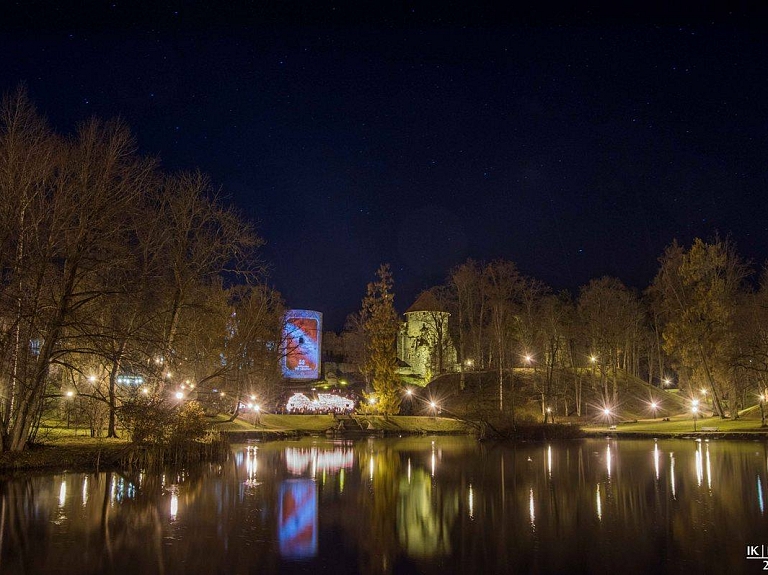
152, 420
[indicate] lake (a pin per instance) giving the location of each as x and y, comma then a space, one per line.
403, 505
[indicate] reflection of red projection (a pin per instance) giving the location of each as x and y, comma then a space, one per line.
302, 344
297, 519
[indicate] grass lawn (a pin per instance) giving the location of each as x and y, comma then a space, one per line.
321, 423
681, 424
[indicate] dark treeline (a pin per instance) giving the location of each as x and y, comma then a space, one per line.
701, 325
120, 282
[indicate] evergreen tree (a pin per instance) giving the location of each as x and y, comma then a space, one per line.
380, 326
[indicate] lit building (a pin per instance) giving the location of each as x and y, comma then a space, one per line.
424, 342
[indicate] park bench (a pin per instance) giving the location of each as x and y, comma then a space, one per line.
710, 429
612, 428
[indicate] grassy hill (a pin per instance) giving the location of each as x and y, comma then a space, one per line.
480, 397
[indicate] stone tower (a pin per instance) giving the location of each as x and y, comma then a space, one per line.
424, 342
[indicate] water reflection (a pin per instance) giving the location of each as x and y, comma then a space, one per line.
433, 505
297, 519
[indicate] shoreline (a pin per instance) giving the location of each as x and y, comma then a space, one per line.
95, 455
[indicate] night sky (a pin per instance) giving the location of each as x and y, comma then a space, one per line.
575, 144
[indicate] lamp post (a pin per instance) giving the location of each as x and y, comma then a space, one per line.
654, 407
694, 411
70, 395
607, 413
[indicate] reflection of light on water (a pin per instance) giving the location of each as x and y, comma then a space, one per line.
699, 466
433, 459
341, 481
709, 471
370, 466
251, 467
549, 460
531, 509
112, 491
85, 490
472, 501
409, 470
251, 464
599, 504
62, 493
608, 460
760, 493
433, 464
330, 460
672, 474
656, 456
174, 502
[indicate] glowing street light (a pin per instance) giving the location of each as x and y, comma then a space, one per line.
528, 359
92, 378
70, 394
257, 408
253, 397
372, 400
666, 382
592, 358
408, 392
179, 395
654, 407
145, 391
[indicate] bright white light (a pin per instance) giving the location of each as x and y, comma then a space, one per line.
695, 409
257, 408
179, 395
92, 378
372, 400
174, 505
144, 390
531, 509
699, 465
408, 392
654, 405
695, 403
62, 494
432, 404
168, 375
549, 460
607, 411
70, 393
528, 359
593, 359
253, 397
599, 504
324, 402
